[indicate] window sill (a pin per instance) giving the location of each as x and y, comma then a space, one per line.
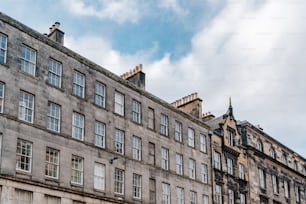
51, 179
56, 87
100, 107
99, 191
79, 97
136, 123
28, 74
5, 64
151, 129
77, 185
119, 115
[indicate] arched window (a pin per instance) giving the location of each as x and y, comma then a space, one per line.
259, 145
272, 153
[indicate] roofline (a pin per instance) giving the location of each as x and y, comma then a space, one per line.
35, 34
247, 123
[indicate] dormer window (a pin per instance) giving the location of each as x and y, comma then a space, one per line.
259, 145
284, 159
272, 153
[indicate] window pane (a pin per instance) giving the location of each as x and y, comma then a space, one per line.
136, 112
119, 141
99, 176
78, 84
54, 113
3, 48
100, 94
119, 181
52, 163
24, 155
28, 60
77, 170
77, 126
55, 73
119, 103
26, 107
100, 134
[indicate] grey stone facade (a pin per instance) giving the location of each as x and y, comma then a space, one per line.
36, 133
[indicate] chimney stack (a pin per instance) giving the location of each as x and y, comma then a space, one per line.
191, 104
207, 116
56, 34
136, 76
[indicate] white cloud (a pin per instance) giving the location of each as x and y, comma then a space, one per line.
117, 10
173, 5
252, 51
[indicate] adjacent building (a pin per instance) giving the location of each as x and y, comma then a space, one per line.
72, 132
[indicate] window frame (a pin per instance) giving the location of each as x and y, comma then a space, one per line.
259, 145
3, 49
22, 201
165, 158
203, 143
119, 106
136, 148
230, 166
193, 197
166, 194
119, 140
77, 170
78, 88
241, 171
180, 197
99, 176
217, 160
262, 178
119, 181
164, 125
78, 126
25, 160
204, 173
51, 118
191, 137
231, 196
205, 199
152, 119
286, 189
242, 198
28, 65
192, 168
53, 75
179, 164
274, 182
100, 97
54, 162
137, 186
136, 111
178, 134
100, 134
26, 108
218, 194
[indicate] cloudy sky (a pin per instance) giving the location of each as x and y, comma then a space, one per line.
249, 50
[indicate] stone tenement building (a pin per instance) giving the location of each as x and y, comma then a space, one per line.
249, 166
276, 173
72, 132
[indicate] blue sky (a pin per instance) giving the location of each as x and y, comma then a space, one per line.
251, 50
